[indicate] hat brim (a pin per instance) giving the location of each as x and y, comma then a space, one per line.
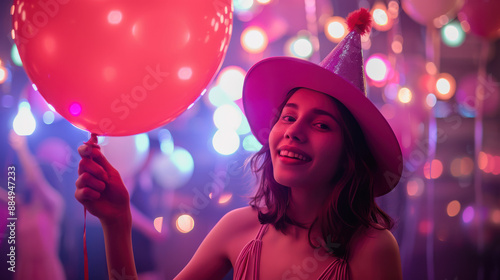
268, 82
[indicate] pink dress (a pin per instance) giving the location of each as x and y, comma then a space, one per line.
250, 257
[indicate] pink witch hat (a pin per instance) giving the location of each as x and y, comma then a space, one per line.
340, 75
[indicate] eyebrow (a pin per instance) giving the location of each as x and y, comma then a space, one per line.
314, 110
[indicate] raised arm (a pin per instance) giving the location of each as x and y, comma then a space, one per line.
34, 175
100, 189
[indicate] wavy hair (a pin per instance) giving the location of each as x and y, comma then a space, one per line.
350, 206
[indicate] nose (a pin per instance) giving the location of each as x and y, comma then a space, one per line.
296, 132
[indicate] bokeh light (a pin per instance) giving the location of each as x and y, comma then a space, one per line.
158, 223
335, 29
434, 169
430, 100
445, 86
14, 54
242, 5
3, 74
453, 34
184, 223
226, 142
217, 96
468, 214
225, 198
415, 187
48, 117
24, 123
251, 144
166, 141
404, 95
482, 160
495, 216
230, 80
227, 117
381, 19
254, 39
301, 47
453, 208
377, 69
425, 227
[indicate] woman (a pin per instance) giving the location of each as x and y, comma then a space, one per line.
326, 153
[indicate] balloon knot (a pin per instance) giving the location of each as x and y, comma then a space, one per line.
360, 21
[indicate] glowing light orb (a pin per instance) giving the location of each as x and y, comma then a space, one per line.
225, 198
445, 86
302, 48
254, 39
335, 29
3, 74
158, 223
377, 68
230, 80
452, 34
14, 54
404, 95
381, 19
48, 117
184, 223
430, 100
227, 117
453, 208
434, 169
468, 214
415, 187
251, 144
24, 123
226, 142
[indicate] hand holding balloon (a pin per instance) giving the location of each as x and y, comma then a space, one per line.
99, 186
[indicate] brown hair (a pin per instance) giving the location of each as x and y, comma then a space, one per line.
351, 205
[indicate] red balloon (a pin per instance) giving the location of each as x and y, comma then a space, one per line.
482, 16
425, 11
121, 67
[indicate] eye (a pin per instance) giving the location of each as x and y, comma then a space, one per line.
288, 118
322, 126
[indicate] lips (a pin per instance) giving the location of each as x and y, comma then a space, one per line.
294, 153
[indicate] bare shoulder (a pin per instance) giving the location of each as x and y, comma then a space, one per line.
219, 249
375, 255
237, 228
240, 218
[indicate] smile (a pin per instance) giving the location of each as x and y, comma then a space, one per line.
294, 153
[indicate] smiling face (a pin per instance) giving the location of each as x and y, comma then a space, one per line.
306, 142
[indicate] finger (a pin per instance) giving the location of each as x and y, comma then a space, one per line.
87, 180
85, 150
98, 157
90, 166
85, 195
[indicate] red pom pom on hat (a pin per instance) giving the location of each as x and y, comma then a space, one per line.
360, 21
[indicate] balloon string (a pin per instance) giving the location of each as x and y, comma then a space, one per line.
85, 255
93, 142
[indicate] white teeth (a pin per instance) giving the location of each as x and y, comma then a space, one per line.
292, 155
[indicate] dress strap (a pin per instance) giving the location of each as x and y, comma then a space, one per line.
262, 231
247, 262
